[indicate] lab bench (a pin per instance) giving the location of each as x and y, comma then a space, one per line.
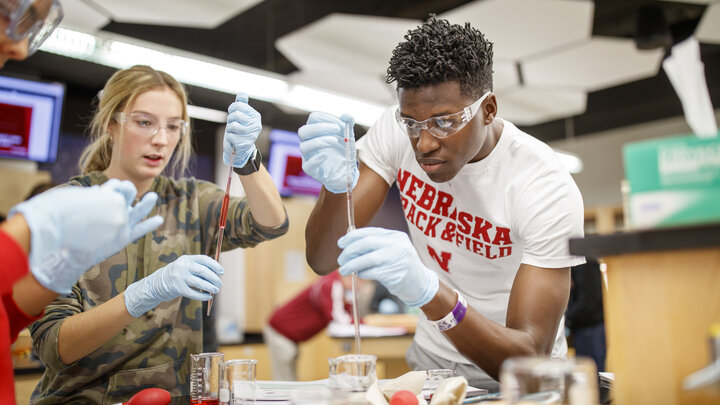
661, 296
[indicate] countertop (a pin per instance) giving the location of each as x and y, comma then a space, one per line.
653, 240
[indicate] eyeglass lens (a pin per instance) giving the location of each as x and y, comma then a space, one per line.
28, 22
442, 126
149, 125
32, 19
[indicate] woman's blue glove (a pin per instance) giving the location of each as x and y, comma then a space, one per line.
389, 258
75, 228
242, 129
194, 277
322, 144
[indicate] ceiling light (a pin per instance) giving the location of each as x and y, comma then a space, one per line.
207, 114
203, 71
311, 99
73, 44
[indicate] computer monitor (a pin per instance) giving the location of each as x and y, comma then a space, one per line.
285, 165
30, 113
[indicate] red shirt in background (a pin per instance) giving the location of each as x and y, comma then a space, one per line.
309, 312
12, 319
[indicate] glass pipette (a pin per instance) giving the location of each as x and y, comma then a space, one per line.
351, 225
223, 218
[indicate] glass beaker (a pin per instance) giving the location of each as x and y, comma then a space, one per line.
352, 372
237, 383
435, 377
549, 381
205, 378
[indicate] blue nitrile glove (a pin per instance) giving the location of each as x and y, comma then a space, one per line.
194, 277
388, 257
242, 129
125, 235
322, 143
74, 228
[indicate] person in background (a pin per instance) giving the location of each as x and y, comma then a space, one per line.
489, 209
52, 228
133, 320
584, 315
303, 317
25, 25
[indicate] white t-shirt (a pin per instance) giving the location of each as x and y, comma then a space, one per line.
517, 205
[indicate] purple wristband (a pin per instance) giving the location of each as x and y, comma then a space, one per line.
454, 317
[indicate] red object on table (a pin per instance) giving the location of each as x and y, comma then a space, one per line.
403, 397
150, 396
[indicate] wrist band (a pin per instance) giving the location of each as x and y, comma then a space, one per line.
450, 320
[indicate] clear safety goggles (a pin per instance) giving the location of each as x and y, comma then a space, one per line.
32, 19
441, 126
149, 125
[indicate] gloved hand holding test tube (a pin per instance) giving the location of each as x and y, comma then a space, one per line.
241, 132
327, 144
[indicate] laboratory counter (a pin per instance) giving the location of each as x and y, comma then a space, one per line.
660, 298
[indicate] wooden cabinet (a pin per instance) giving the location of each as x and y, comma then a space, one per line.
15, 185
659, 307
276, 270
661, 300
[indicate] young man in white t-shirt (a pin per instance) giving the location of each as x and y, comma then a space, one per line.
489, 209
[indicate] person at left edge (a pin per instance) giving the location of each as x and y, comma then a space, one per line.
133, 320
49, 241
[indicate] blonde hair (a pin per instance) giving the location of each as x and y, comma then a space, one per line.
119, 93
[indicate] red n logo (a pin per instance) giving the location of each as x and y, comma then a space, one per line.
442, 260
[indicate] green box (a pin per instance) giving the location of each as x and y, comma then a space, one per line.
673, 181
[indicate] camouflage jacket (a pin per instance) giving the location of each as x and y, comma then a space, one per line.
153, 350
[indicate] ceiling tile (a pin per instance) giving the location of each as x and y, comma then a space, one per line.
594, 64
340, 41
352, 84
520, 28
81, 15
186, 13
530, 106
709, 28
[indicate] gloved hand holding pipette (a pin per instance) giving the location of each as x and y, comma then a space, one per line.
243, 127
74, 228
191, 276
322, 143
388, 257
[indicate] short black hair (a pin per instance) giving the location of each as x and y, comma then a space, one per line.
438, 52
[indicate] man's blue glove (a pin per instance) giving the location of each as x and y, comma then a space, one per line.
194, 277
75, 228
322, 144
242, 129
389, 258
